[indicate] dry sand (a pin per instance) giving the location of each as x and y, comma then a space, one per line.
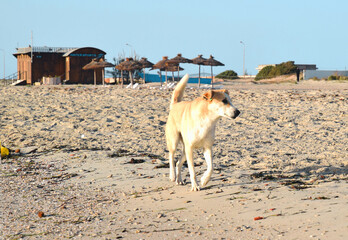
93, 165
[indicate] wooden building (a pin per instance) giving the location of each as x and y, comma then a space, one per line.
34, 63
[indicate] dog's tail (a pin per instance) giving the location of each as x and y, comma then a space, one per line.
179, 90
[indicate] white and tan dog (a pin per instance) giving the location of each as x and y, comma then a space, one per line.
193, 123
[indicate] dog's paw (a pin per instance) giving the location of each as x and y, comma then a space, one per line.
179, 181
204, 181
172, 178
195, 188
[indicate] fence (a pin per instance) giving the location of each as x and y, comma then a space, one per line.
320, 74
156, 78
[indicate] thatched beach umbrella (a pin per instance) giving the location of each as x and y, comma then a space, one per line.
179, 59
172, 68
129, 65
199, 61
161, 65
145, 64
212, 62
97, 64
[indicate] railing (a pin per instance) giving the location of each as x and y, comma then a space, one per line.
9, 79
45, 49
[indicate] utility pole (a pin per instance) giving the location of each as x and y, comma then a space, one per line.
31, 53
243, 58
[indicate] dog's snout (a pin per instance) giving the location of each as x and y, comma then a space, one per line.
236, 113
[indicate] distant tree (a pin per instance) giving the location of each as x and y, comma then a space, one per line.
228, 74
264, 72
278, 70
116, 74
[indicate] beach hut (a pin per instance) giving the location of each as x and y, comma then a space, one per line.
36, 63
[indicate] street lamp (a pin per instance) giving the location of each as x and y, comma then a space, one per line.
131, 49
243, 57
3, 51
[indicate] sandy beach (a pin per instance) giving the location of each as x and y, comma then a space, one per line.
93, 165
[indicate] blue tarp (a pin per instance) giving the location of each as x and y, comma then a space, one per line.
156, 78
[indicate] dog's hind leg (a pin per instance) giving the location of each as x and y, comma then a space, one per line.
209, 159
178, 168
189, 157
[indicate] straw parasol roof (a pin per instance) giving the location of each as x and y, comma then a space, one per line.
179, 59
97, 64
91, 65
129, 65
172, 68
161, 65
199, 61
212, 62
145, 64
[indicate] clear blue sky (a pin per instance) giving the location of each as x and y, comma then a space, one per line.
305, 31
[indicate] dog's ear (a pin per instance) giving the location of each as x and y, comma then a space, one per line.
208, 95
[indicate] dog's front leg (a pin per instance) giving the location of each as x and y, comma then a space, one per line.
209, 159
189, 157
171, 167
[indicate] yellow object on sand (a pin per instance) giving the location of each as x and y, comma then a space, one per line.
4, 151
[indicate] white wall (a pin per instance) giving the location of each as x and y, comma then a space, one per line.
309, 74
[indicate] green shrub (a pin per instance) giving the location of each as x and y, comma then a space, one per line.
278, 70
315, 78
264, 72
332, 77
337, 77
228, 74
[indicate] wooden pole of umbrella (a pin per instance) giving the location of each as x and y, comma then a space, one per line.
199, 61
177, 60
212, 62
129, 65
145, 64
161, 65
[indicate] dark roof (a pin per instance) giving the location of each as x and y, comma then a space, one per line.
71, 51
44, 49
66, 51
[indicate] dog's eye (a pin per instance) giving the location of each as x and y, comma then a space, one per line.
225, 101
